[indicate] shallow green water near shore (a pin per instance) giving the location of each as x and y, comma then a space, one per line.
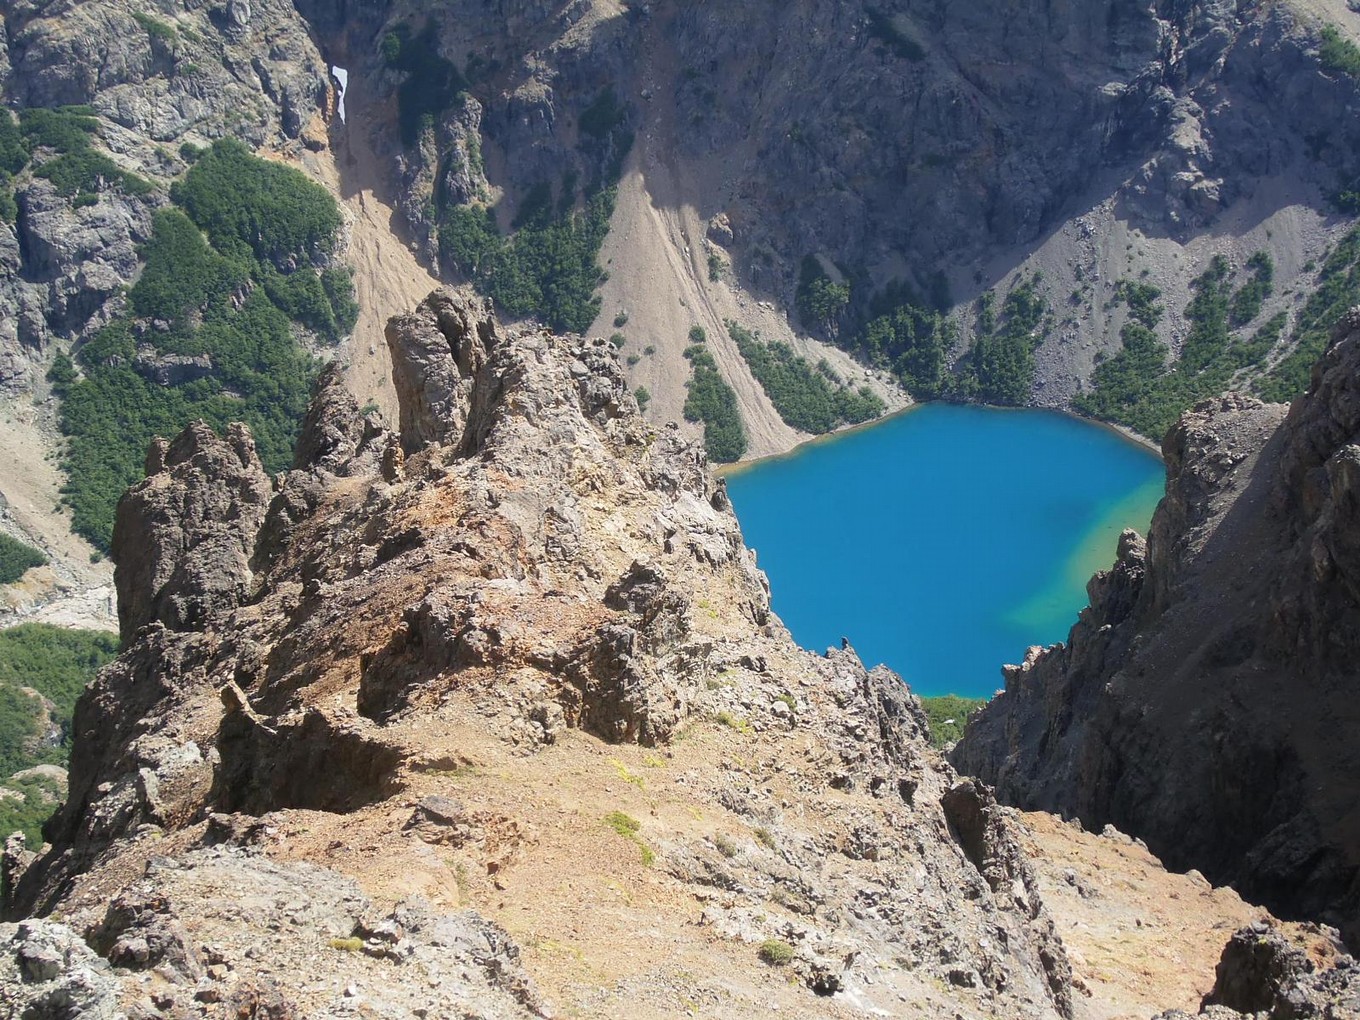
944, 541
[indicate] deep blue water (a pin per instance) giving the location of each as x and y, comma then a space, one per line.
944, 541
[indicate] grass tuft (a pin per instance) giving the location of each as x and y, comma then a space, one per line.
775, 952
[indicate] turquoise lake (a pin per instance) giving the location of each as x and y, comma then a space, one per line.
946, 540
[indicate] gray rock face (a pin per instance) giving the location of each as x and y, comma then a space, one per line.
62, 269
913, 135
1205, 701
48, 973
184, 537
206, 69
939, 112
173, 369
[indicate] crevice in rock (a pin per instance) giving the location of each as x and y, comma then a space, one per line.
309, 763
964, 812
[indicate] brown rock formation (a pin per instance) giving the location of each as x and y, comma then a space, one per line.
508, 727
437, 351
1207, 700
183, 538
1268, 975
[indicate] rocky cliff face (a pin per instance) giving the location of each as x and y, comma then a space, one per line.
914, 137
187, 72
939, 144
918, 133
491, 716
1206, 700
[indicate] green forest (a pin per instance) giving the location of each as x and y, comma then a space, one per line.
1228, 343
57, 145
810, 398
999, 368
1336, 288
546, 269
239, 261
57, 662
17, 558
711, 401
912, 335
948, 715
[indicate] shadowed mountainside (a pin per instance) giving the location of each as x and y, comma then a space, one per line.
1206, 701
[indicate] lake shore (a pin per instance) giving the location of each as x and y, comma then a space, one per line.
946, 539
737, 467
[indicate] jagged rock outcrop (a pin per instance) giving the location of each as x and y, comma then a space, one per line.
437, 352
183, 538
526, 693
1265, 975
1206, 701
336, 437
48, 973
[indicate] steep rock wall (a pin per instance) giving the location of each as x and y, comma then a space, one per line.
1206, 700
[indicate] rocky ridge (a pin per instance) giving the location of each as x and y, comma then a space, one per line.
911, 142
393, 739
1206, 699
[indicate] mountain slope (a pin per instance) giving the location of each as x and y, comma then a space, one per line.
922, 153
1206, 699
516, 659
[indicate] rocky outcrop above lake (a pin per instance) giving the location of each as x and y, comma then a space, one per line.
183, 537
1206, 701
503, 682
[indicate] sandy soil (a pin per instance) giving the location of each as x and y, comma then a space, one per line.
71, 590
1140, 938
657, 259
388, 277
